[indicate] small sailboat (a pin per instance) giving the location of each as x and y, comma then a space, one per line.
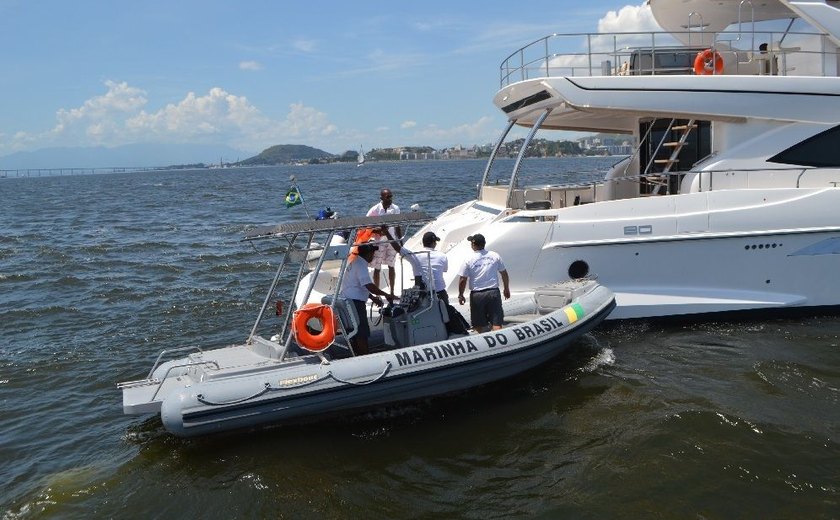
361, 159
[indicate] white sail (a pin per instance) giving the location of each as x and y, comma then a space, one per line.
361, 158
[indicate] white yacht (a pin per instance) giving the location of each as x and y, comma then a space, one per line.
727, 199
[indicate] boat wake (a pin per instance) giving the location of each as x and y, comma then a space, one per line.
602, 358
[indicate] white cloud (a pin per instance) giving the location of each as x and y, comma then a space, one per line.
483, 130
18, 142
627, 28
120, 99
212, 117
303, 121
97, 118
121, 116
382, 61
304, 45
250, 65
630, 18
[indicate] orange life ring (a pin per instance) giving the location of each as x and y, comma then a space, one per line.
363, 236
314, 341
708, 62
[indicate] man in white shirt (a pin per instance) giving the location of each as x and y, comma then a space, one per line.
482, 269
357, 287
422, 260
384, 253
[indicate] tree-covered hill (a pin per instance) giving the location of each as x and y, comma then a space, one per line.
284, 154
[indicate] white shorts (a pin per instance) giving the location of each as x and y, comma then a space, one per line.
385, 254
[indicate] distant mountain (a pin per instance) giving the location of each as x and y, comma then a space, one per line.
286, 153
140, 155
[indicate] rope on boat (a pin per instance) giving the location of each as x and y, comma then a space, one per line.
268, 388
375, 379
200, 398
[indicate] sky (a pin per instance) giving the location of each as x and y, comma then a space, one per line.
336, 75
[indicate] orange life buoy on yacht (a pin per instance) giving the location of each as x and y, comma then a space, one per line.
362, 237
708, 62
311, 340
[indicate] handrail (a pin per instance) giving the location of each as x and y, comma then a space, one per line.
274, 282
493, 156
167, 351
170, 369
561, 54
702, 26
306, 231
522, 151
709, 174
658, 146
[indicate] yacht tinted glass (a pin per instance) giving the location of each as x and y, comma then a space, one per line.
822, 149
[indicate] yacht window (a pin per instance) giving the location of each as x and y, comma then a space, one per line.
663, 60
542, 95
822, 149
481, 207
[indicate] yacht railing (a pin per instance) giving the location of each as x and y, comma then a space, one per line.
553, 196
651, 53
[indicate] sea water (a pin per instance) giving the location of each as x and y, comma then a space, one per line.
98, 273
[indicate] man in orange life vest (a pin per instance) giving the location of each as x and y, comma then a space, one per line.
357, 287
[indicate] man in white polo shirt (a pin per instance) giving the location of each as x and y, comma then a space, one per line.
482, 269
422, 260
384, 253
358, 287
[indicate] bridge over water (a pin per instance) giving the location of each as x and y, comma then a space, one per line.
53, 172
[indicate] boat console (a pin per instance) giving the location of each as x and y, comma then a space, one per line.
419, 317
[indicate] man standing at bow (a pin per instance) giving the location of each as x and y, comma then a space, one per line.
385, 253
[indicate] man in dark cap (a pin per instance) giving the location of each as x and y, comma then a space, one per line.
482, 269
422, 260
357, 287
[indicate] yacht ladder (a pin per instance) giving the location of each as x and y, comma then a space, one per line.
660, 180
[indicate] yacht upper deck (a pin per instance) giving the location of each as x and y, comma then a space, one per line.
776, 53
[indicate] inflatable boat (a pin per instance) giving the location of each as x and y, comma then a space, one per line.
308, 370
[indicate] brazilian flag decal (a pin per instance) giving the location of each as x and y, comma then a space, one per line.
574, 312
293, 197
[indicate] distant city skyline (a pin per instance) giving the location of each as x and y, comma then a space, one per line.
163, 155
249, 75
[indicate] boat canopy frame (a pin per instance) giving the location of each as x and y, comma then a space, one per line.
514, 177
291, 232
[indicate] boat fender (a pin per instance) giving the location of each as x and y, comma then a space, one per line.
306, 337
708, 62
